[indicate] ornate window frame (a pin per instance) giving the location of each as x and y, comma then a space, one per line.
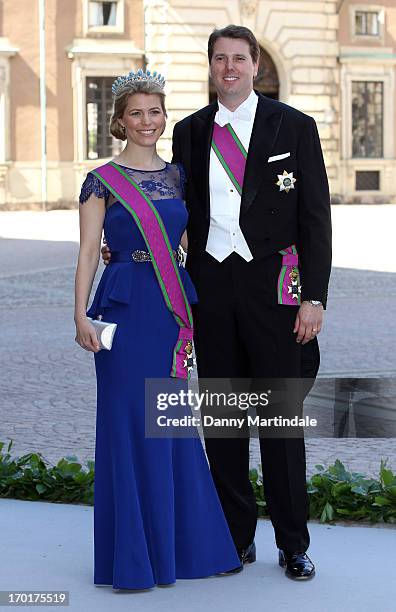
96, 59
367, 8
373, 69
119, 28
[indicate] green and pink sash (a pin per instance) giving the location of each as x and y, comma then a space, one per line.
232, 156
152, 228
289, 288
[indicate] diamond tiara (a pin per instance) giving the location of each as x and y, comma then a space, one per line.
132, 77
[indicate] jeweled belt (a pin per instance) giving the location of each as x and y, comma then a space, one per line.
138, 256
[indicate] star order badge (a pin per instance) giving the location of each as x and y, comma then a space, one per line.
295, 287
189, 361
286, 181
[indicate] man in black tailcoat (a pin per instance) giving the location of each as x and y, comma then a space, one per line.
233, 258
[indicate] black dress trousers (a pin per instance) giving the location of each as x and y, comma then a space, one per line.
242, 332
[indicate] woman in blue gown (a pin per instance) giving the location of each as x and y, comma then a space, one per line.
157, 516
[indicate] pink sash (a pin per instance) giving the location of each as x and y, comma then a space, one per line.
232, 155
151, 226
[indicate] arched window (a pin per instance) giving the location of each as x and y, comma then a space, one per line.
267, 81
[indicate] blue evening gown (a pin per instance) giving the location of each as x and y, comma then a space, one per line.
157, 516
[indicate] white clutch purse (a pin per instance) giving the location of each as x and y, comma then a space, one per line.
105, 332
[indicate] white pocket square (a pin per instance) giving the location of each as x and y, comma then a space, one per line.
276, 157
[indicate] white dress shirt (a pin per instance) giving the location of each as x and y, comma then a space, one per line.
225, 236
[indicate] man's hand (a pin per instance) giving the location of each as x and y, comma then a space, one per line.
106, 253
308, 323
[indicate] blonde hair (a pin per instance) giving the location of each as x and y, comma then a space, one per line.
121, 102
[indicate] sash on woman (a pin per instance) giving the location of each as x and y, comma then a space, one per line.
151, 226
232, 156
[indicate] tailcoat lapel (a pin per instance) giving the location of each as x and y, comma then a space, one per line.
202, 130
265, 131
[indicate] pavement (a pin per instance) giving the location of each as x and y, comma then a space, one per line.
49, 547
48, 389
47, 404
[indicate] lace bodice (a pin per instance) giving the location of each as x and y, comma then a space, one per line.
168, 183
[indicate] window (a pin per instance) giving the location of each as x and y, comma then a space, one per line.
103, 16
102, 13
100, 143
367, 118
367, 23
367, 180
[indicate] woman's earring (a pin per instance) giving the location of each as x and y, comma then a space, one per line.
123, 129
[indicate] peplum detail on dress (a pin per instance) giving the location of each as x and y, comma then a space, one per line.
116, 285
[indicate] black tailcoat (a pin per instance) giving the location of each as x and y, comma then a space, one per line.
270, 219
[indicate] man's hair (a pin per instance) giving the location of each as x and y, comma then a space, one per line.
234, 31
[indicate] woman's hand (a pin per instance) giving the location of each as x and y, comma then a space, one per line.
86, 336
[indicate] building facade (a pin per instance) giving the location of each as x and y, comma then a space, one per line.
87, 44
334, 60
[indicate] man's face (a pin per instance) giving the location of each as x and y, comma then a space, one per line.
232, 69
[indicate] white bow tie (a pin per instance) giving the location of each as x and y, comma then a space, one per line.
225, 116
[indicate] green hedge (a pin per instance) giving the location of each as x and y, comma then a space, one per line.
334, 493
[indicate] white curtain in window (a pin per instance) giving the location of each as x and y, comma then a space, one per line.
95, 14
113, 14
99, 14
372, 24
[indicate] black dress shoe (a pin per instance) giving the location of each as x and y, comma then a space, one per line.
298, 565
246, 555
